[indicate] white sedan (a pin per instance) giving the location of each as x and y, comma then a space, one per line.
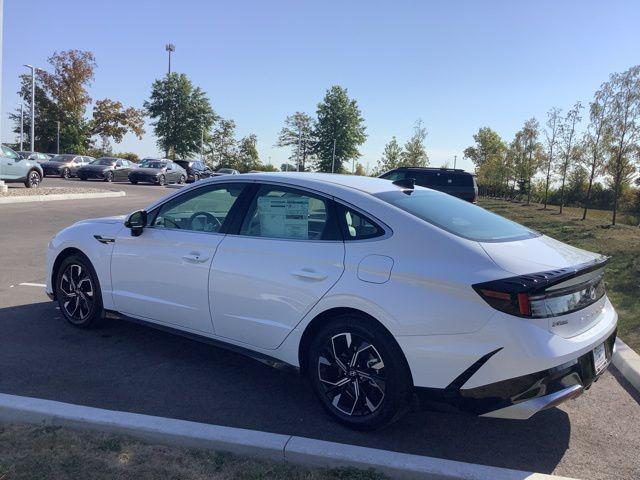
377, 291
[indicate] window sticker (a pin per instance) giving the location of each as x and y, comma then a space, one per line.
284, 217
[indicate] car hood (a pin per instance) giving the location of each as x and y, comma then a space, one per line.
147, 171
536, 255
95, 168
104, 220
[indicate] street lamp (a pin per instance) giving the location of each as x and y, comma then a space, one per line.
170, 47
33, 104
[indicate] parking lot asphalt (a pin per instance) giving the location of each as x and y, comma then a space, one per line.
129, 367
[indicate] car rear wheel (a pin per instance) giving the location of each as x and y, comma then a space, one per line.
359, 373
161, 180
33, 179
65, 173
196, 177
78, 292
108, 177
133, 182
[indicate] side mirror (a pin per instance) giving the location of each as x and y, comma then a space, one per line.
136, 222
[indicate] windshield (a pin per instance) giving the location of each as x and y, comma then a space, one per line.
62, 158
226, 170
457, 216
152, 164
103, 161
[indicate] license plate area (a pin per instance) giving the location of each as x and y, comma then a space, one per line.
600, 360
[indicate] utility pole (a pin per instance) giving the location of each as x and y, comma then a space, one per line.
170, 47
299, 138
455, 159
33, 105
333, 159
58, 139
21, 123
202, 144
3, 187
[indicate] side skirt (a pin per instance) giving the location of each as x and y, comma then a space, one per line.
260, 357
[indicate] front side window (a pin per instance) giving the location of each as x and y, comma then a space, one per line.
201, 210
457, 216
281, 212
7, 152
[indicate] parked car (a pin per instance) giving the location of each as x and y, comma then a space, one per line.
455, 182
195, 169
227, 171
38, 157
14, 168
159, 172
375, 290
107, 169
65, 165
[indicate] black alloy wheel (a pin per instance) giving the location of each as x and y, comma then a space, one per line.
359, 373
33, 179
108, 176
78, 292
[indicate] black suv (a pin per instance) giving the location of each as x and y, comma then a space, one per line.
195, 169
455, 182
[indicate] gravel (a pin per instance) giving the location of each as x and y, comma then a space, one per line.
24, 192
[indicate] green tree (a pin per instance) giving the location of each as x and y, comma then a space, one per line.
415, 153
222, 145
339, 130
568, 151
181, 113
391, 157
551, 135
487, 145
248, 158
624, 131
298, 133
62, 96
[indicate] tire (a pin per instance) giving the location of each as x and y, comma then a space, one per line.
84, 179
133, 182
65, 173
196, 177
78, 292
108, 177
380, 372
162, 180
182, 180
33, 179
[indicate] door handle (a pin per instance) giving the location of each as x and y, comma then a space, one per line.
194, 258
309, 274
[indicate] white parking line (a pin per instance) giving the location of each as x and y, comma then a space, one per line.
28, 284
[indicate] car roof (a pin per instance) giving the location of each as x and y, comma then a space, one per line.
371, 185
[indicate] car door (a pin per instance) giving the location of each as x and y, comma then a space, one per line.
279, 263
118, 170
10, 167
162, 275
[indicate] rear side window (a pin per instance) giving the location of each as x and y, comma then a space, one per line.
457, 216
288, 213
356, 226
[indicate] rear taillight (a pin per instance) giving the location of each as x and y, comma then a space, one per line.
546, 294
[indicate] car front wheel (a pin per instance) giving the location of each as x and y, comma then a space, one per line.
66, 173
359, 373
78, 292
33, 179
182, 180
108, 177
161, 180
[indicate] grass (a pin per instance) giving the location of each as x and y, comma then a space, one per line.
621, 243
38, 452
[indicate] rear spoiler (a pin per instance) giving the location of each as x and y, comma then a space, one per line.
534, 283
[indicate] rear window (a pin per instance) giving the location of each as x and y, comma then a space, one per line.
433, 178
457, 216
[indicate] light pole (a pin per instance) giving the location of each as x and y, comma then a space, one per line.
455, 160
333, 158
58, 139
33, 104
3, 187
170, 47
21, 123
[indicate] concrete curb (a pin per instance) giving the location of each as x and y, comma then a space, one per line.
628, 363
270, 446
60, 196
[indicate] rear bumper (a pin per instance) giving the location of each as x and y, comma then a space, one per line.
521, 397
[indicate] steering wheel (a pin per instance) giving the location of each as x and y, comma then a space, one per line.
211, 219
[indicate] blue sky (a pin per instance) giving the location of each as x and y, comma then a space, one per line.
457, 65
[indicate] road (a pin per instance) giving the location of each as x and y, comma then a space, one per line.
129, 367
